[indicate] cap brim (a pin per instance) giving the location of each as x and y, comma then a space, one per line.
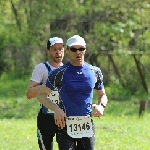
76, 43
57, 43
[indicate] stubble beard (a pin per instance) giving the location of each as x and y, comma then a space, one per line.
56, 60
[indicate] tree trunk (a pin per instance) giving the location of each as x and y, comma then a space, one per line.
16, 15
143, 107
116, 70
137, 62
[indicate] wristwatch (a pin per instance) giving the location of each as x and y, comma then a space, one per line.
103, 105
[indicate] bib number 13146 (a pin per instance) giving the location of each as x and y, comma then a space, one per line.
79, 126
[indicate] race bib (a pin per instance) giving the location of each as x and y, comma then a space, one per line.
79, 126
54, 97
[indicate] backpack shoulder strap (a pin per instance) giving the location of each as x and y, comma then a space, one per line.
47, 66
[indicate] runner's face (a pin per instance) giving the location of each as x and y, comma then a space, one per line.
77, 54
56, 53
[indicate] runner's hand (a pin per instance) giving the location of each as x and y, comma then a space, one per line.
60, 118
97, 110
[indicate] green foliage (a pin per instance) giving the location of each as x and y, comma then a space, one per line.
13, 101
2, 53
114, 31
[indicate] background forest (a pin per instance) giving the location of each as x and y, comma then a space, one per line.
117, 34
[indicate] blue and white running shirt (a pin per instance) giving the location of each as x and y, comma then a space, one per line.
75, 85
40, 75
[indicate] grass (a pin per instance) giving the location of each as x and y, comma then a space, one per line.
119, 129
18, 134
112, 133
123, 133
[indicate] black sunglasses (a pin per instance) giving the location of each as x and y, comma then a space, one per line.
75, 49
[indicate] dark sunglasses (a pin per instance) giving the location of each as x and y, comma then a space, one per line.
75, 49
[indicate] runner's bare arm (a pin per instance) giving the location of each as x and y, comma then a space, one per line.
102, 102
102, 98
43, 99
33, 89
59, 114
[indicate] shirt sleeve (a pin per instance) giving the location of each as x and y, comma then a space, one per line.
99, 84
38, 73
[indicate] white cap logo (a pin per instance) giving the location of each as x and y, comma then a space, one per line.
55, 40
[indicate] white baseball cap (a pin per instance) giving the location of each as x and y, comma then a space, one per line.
76, 40
53, 41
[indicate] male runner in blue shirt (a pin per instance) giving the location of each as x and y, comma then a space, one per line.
75, 82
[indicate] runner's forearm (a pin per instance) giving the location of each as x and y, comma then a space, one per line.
33, 91
42, 98
103, 100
